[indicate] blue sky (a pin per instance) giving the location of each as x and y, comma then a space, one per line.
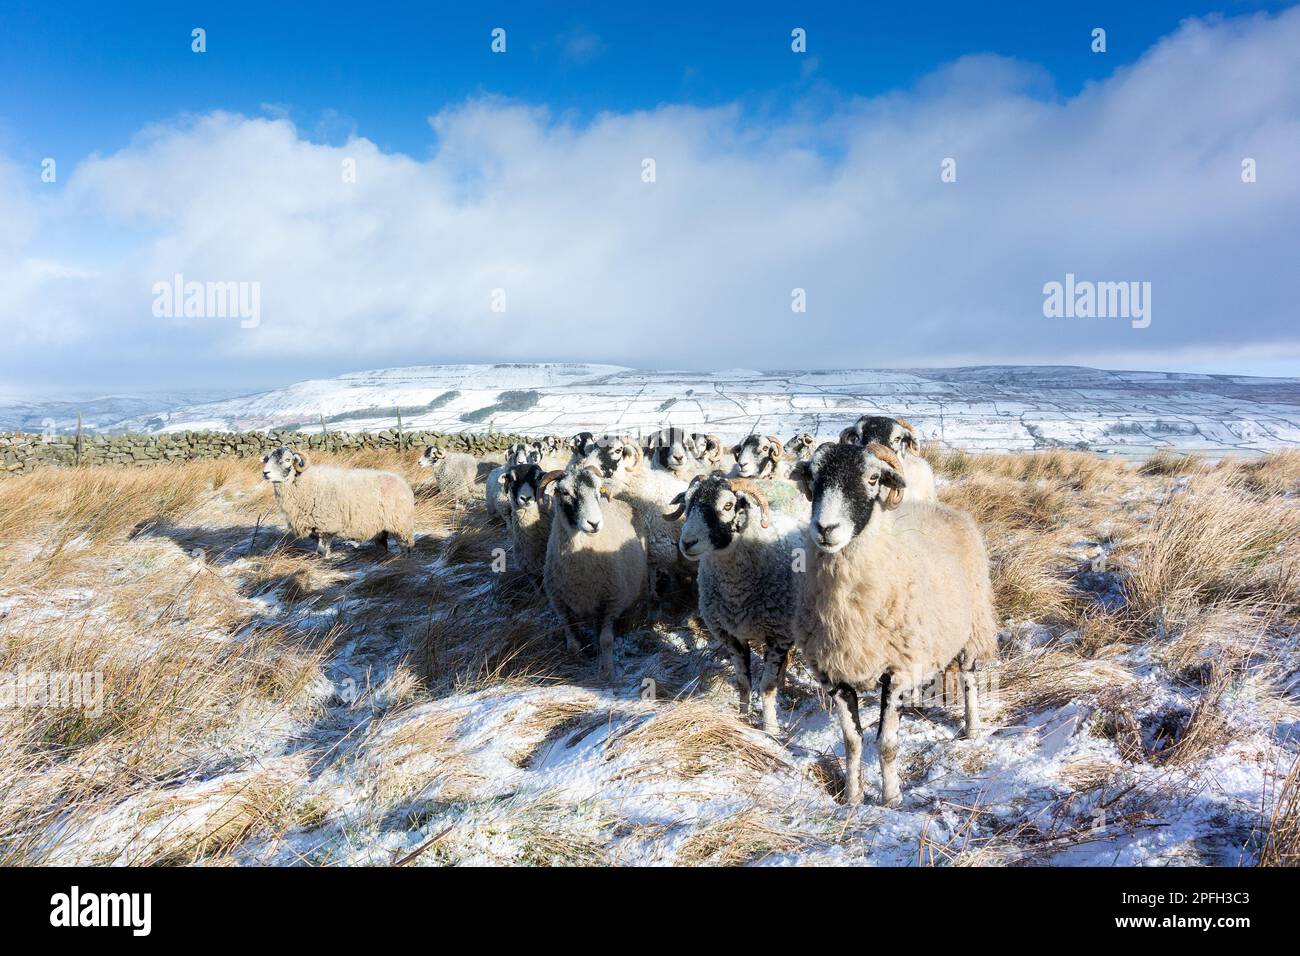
85, 77
484, 178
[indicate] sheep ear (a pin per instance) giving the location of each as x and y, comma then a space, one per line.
801, 475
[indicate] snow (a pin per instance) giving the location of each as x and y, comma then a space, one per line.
981, 408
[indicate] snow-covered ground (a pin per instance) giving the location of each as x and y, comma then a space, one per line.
980, 408
437, 730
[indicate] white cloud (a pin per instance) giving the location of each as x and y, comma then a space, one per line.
1136, 178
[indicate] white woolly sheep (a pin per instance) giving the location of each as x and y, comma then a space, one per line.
680, 454
530, 523
327, 501
800, 447
900, 437
895, 591
595, 566
618, 459
454, 473
747, 582
498, 501
760, 456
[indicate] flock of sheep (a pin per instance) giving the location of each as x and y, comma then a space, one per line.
840, 549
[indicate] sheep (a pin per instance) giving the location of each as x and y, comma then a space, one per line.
454, 473
530, 523
800, 447
618, 459
707, 448
595, 567
673, 451
895, 591
760, 456
747, 582
900, 437
498, 501
327, 501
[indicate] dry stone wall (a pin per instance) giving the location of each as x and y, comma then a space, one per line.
20, 452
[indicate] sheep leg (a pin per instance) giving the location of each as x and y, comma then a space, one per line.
323, 544
887, 744
381, 540
740, 661
775, 660
607, 650
570, 630
971, 695
846, 708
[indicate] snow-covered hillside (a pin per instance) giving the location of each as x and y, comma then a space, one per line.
989, 407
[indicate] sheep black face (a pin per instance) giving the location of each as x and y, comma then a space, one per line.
800, 446
581, 444
432, 455
846, 483
613, 455
518, 454
894, 433
576, 495
717, 510
522, 482
283, 465
757, 456
670, 449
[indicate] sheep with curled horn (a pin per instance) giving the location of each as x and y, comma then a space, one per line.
800, 447
595, 566
329, 501
760, 456
673, 451
706, 448
894, 592
900, 437
748, 589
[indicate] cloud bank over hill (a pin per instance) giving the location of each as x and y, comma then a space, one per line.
1137, 178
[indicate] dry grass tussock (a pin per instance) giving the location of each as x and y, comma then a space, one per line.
1212, 544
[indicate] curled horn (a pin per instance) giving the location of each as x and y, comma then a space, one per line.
713, 447
300, 456
894, 496
780, 448
749, 488
635, 447
547, 478
679, 501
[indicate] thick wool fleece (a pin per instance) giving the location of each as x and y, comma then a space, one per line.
593, 578
749, 590
907, 595
355, 503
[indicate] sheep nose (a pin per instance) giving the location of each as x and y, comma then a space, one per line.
678, 459
593, 527
689, 546
824, 530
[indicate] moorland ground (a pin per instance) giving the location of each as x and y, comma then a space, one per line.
261, 705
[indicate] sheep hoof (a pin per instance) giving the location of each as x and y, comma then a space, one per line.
892, 801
